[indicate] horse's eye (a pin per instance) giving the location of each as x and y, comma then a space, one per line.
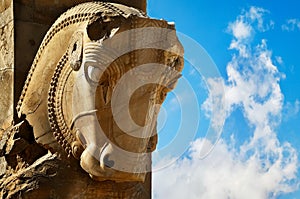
93, 73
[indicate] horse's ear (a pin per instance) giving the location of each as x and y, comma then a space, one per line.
75, 50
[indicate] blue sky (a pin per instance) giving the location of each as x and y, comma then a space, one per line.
254, 46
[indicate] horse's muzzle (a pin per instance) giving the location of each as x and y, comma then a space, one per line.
113, 163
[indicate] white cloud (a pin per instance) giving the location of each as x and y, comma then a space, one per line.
240, 29
291, 110
174, 103
245, 26
192, 71
260, 168
291, 25
279, 60
225, 173
215, 105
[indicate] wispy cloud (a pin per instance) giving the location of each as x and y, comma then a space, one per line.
279, 60
291, 25
244, 27
262, 166
291, 110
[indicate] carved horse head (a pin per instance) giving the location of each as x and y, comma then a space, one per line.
96, 85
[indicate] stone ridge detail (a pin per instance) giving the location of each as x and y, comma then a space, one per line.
91, 54
57, 121
83, 12
69, 106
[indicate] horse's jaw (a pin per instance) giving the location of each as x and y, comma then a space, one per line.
115, 165
116, 99
109, 152
105, 160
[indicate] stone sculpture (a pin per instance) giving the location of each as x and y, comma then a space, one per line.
78, 100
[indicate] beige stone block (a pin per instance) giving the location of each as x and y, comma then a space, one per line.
140, 4
4, 4
6, 40
6, 98
6, 63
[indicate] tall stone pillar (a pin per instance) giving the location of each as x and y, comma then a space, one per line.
7, 65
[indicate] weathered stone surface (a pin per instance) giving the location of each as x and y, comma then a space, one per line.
32, 19
46, 11
27, 179
4, 5
79, 104
6, 64
6, 39
3, 166
50, 177
6, 98
28, 37
43, 170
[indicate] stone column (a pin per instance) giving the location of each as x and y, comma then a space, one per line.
6, 63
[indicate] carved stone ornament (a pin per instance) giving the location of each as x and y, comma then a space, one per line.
96, 85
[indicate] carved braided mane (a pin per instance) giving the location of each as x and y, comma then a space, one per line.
78, 14
48, 74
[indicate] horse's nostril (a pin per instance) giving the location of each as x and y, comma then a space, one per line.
107, 162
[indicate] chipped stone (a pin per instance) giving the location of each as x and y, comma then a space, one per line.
3, 166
